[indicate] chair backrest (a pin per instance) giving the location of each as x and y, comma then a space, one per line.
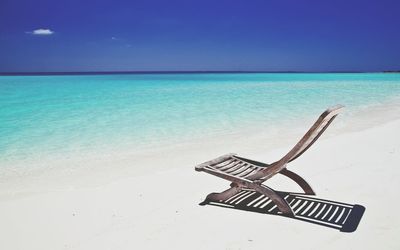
312, 134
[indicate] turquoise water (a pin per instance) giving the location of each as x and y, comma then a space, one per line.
66, 115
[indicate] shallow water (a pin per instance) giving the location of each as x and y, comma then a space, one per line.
76, 114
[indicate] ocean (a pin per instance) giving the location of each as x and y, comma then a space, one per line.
69, 115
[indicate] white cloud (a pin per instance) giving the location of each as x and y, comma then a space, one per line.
41, 32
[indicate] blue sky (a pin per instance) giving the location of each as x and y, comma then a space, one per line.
199, 35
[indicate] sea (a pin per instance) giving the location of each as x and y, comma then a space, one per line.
66, 116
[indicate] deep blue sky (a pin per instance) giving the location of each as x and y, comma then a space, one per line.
200, 35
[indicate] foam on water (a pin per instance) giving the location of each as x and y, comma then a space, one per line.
66, 116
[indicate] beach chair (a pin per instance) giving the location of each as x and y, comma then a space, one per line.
250, 175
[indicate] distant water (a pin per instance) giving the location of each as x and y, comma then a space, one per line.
75, 114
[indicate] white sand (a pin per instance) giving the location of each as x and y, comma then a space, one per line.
124, 204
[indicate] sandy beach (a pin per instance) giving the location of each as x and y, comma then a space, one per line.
109, 110
151, 202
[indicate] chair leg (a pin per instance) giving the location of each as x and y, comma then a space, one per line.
299, 180
279, 201
217, 197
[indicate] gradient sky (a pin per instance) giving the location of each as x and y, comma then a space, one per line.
278, 35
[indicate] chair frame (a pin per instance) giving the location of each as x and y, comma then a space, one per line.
260, 172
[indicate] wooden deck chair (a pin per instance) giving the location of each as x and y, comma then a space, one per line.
248, 174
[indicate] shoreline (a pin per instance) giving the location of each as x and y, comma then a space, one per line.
106, 167
123, 209
184, 72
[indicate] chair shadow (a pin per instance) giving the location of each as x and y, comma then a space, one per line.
337, 215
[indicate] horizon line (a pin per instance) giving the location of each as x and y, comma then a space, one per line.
27, 73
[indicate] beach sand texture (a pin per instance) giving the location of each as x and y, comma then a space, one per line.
126, 208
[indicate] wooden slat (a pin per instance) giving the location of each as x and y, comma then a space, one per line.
224, 163
229, 166
237, 166
213, 162
226, 176
249, 174
246, 172
237, 172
